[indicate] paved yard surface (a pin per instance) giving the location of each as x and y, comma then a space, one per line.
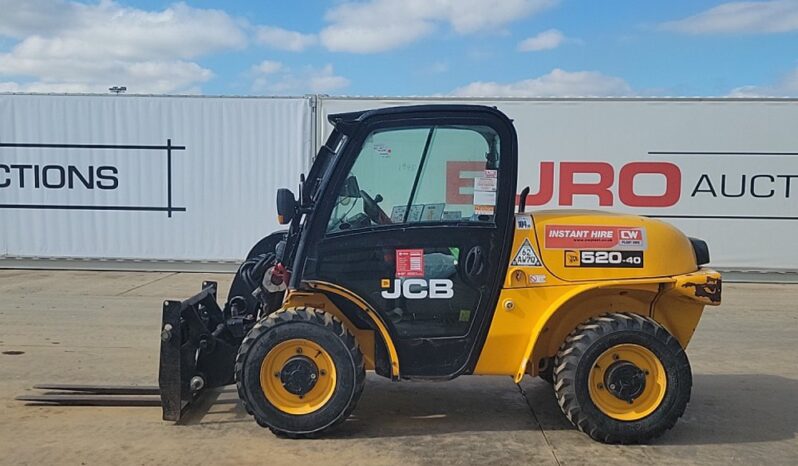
102, 327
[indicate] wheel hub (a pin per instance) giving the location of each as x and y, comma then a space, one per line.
299, 375
625, 381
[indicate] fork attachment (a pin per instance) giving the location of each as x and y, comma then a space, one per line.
94, 395
199, 343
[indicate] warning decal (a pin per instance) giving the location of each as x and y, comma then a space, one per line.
525, 257
523, 222
409, 263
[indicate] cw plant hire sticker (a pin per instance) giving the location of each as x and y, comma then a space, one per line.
526, 257
595, 237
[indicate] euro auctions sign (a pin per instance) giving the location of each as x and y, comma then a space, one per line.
722, 170
87, 177
682, 187
700, 189
126, 180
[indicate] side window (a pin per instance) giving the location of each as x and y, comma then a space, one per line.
421, 174
460, 175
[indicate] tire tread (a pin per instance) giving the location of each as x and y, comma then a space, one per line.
577, 344
316, 317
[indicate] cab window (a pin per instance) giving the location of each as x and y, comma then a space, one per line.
426, 174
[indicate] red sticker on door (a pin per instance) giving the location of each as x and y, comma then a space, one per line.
409, 263
595, 237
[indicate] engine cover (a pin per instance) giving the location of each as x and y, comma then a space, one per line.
591, 245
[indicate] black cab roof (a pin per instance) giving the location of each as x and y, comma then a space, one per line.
362, 115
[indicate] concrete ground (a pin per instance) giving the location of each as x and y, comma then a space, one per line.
102, 327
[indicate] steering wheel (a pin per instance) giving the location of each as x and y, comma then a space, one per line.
373, 209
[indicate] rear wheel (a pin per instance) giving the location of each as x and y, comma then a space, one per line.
299, 372
622, 378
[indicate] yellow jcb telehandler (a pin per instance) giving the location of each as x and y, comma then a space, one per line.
405, 255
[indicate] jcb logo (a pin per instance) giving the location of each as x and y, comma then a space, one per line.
417, 288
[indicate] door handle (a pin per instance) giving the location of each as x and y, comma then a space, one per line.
474, 263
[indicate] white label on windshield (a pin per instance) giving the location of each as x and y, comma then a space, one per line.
484, 198
484, 184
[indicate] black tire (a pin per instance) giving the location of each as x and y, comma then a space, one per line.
577, 356
326, 331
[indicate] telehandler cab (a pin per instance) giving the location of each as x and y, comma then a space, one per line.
404, 255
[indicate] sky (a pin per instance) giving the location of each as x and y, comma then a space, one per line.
481, 48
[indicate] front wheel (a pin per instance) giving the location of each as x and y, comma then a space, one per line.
622, 378
299, 372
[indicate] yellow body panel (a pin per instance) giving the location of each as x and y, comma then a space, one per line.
666, 250
540, 305
365, 338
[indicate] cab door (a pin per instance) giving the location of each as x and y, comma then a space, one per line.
417, 220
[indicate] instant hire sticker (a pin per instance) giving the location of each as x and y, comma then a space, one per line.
595, 237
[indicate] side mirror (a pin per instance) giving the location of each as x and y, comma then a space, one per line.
286, 206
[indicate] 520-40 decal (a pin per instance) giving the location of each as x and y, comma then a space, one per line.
604, 258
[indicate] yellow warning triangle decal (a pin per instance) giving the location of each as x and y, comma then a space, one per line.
526, 257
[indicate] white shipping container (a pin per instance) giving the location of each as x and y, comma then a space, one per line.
724, 170
88, 176
145, 178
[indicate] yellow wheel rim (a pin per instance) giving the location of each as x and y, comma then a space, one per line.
604, 382
315, 369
